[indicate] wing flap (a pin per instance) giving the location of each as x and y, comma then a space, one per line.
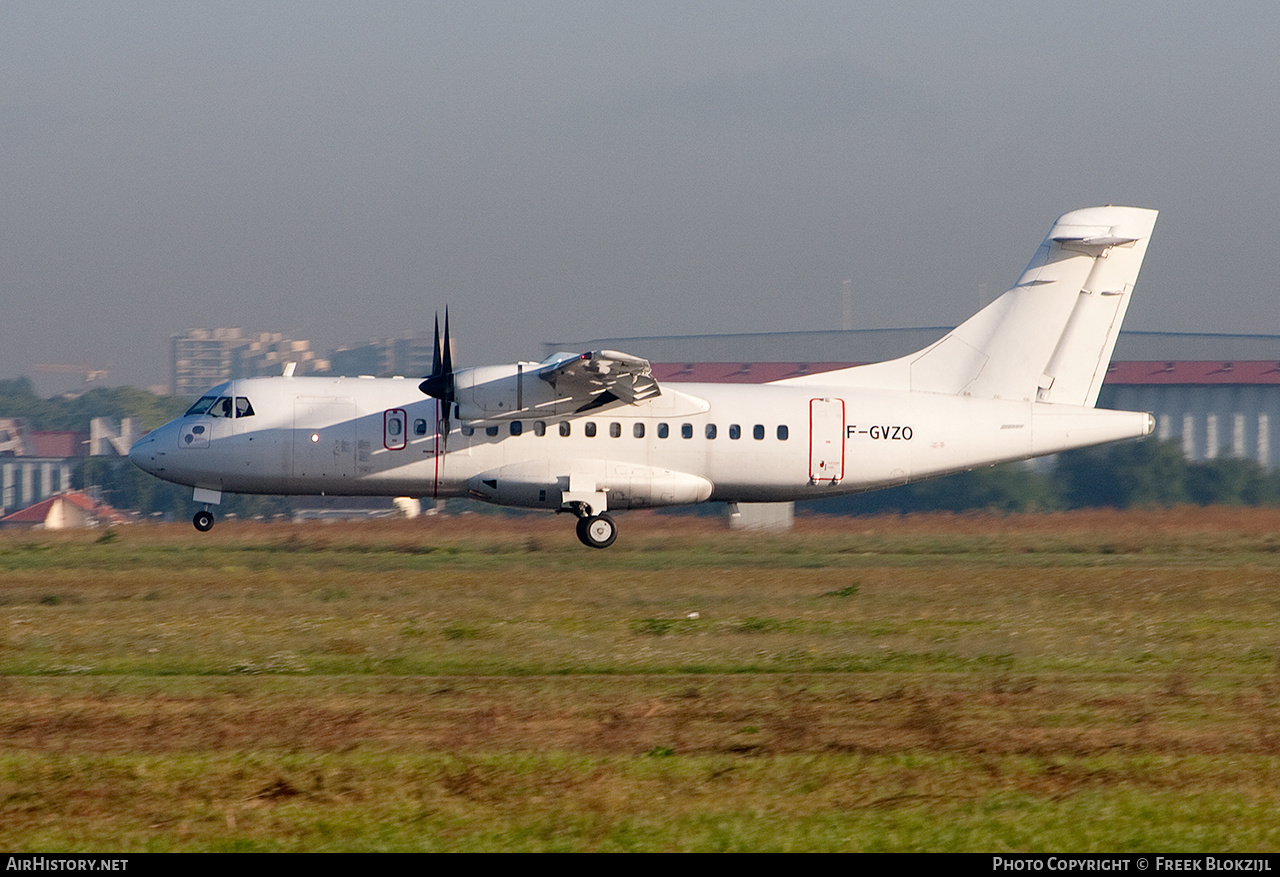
600, 377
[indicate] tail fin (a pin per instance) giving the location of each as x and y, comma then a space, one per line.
1050, 337
1083, 352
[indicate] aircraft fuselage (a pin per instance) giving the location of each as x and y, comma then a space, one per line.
693, 443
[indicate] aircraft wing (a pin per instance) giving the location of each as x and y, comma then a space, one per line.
600, 377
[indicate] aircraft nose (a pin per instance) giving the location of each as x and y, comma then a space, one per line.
141, 453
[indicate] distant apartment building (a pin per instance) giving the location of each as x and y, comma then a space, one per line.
409, 356
201, 358
375, 358
267, 353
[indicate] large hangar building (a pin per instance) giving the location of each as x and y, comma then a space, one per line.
1219, 395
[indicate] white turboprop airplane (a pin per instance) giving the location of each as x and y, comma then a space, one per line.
593, 432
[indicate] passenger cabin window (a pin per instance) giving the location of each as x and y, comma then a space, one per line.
468, 430
516, 427
491, 430
663, 430
539, 427
615, 430
782, 433
638, 430
686, 430
757, 432
419, 427
565, 428
735, 431
711, 430
590, 429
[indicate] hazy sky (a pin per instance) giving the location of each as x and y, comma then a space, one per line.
549, 170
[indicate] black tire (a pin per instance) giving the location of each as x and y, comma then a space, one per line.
203, 521
597, 532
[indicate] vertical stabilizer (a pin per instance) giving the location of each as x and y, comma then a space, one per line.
1050, 337
1080, 359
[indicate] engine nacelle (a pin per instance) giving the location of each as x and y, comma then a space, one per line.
562, 384
503, 392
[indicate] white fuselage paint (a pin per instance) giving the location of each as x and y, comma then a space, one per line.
339, 436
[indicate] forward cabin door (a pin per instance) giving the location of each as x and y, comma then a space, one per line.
324, 438
395, 429
826, 440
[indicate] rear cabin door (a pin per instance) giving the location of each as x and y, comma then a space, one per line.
826, 439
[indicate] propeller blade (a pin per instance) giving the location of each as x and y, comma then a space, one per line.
447, 364
439, 384
435, 350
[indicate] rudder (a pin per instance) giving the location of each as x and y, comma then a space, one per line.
1079, 363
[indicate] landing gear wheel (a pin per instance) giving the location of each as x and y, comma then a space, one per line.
203, 521
598, 531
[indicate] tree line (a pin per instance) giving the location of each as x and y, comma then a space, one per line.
72, 413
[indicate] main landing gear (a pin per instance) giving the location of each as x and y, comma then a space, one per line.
597, 531
203, 520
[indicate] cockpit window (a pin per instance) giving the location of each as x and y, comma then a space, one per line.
201, 406
221, 406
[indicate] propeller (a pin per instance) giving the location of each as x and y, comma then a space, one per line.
439, 384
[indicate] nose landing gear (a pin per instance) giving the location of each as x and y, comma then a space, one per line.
204, 518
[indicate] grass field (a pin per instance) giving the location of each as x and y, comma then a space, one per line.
1081, 681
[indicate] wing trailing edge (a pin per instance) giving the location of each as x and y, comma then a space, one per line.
590, 376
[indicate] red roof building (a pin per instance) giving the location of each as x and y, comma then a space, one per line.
57, 444
64, 511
